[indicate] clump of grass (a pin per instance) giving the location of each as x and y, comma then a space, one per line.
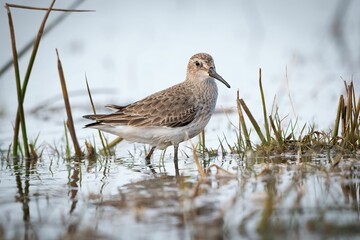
278, 138
348, 115
35, 150
202, 149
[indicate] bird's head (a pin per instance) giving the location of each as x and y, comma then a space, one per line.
201, 66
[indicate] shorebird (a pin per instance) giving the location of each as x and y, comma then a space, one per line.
170, 116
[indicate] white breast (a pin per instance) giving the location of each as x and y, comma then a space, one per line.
161, 137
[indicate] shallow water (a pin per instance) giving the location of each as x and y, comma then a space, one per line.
277, 197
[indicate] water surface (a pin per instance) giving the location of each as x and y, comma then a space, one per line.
112, 198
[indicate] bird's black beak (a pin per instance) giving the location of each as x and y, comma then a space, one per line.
213, 73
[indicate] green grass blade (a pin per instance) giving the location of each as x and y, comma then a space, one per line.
337, 120
20, 113
277, 132
67, 145
27, 75
266, 122
105, 148
253, 121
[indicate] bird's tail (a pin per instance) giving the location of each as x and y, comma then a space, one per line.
94, 117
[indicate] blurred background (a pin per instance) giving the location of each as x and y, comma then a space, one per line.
129, 49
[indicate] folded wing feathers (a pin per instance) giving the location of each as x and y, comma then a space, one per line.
147, 112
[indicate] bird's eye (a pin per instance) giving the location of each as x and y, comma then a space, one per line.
197, 63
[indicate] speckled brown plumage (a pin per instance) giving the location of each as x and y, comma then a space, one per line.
180, 109
170, 116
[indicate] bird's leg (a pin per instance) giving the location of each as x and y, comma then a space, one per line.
148, 156
147, 159
176, 149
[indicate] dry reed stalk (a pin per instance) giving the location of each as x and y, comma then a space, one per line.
90, 150
34, 155
197, 162
355, 125
242, 122
349, 107
46, 9
69, 122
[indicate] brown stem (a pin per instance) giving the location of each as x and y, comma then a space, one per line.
69, 122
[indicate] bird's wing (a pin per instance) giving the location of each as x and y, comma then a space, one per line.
173, 107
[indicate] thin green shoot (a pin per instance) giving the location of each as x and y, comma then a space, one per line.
67, 145
105, 148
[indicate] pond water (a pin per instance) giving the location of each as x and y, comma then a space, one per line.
119, 198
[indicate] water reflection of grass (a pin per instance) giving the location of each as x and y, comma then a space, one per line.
306, 204
270, 197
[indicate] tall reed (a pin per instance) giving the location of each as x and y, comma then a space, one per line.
20, 117
70, 121
20, 114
